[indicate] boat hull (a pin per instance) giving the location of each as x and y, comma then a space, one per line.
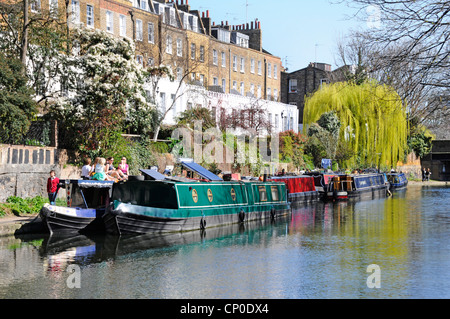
66, 220
119, 222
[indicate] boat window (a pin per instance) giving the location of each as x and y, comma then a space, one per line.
194, 196
233, 194
210, 195
262, 193
94, 197
148, 193
274, 190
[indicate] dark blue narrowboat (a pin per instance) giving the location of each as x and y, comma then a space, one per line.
397, 180
367, 183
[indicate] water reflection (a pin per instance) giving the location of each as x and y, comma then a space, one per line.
320, 250
64, 249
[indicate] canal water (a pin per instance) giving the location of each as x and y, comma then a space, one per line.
320, 251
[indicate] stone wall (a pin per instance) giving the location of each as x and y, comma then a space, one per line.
24, 170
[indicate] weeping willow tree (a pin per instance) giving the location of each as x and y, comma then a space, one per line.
373, 120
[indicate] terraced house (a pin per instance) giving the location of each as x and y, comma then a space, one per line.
216, 65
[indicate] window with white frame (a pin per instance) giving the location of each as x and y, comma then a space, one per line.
193, 49
173, 99
252, 88
276, 122
151, 62
275, 71
235, 85
162, 102
109, 22
224, 60
179, 74
275, 94
224, 85
202, 53
259, 68
140, 60
234, 63
151, 32
202, 79
293, 86
172, 17
123, 26
75, 11
242, 88
144, 5
179, 47
139, 31
269, 94
252, 66
53, 6
242, 65
35, 5
215, 57
169, 44
259, 92
269, 70
215, 81
89, 15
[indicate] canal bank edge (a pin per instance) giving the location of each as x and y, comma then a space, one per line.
9, 224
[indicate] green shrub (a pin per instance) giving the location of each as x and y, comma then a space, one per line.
16, 206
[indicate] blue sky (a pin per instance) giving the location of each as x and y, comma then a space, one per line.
297, 31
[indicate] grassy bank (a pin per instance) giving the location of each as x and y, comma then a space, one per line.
16, 206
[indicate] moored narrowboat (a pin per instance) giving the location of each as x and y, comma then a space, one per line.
300, 189
159, 206
397, 180
86, 203
331, 186
374, 183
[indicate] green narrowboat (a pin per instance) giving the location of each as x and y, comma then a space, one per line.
157, 206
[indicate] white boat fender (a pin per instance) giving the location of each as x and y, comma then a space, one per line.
388, 192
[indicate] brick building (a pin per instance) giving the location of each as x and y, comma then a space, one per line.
223, 58
295, 86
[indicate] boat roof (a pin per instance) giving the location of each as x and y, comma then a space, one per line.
286, 177
91, 183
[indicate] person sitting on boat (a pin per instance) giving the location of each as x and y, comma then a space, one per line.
124, 168
99, 171
86, 169
113, 172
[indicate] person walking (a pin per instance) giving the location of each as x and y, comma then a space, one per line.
52, 187
428, 174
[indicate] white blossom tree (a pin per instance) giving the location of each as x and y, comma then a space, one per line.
106, 85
